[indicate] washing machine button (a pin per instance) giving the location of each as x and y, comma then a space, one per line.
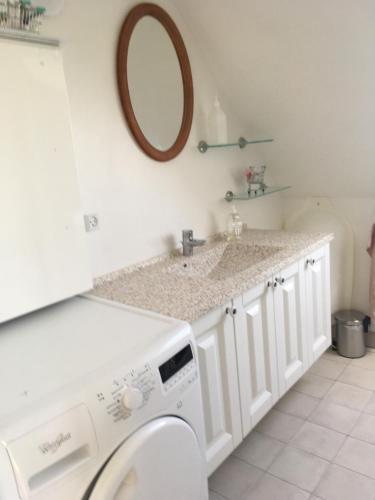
132, 398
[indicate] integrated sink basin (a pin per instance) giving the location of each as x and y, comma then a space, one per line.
223, 261
189, 287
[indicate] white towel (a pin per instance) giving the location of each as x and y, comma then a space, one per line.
371, 252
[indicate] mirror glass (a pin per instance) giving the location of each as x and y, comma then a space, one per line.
155, 83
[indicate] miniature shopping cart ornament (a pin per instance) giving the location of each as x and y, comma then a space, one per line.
255, 178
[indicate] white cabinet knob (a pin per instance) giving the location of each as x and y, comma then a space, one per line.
132, 398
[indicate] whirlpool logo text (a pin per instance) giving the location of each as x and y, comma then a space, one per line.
53, 446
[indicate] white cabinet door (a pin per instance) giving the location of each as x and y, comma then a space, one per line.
219, 379
256, 354
318, 302
291, 325
43, 253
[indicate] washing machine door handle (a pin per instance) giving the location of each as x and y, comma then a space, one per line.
162, 460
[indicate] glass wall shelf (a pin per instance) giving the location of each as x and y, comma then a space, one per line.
230, 196
241, 143
24, 36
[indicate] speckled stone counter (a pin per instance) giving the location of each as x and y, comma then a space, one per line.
188, 287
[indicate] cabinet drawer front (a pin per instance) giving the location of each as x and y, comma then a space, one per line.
218, 369
256, 351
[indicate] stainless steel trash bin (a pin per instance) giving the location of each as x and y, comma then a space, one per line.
350, 337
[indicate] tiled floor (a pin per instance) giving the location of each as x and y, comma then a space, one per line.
317, 443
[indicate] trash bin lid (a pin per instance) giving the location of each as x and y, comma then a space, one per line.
350, 317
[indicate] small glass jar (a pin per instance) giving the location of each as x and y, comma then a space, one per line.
37, 21
235, 225
26, 11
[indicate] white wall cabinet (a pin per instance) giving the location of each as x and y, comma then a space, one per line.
43, 254
252, 350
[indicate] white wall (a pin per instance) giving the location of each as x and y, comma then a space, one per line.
359, 214
143, 205
297, 70
303, 72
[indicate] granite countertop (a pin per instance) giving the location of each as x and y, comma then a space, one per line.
186, 288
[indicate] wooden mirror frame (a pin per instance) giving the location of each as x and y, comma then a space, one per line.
135, 14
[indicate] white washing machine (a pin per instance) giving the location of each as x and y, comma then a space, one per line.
100, 402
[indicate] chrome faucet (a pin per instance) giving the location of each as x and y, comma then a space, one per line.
188, 242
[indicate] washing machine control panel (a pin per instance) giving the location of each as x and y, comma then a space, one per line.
180, 370
131, 391
128, 393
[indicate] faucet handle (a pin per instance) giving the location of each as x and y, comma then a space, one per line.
187, 234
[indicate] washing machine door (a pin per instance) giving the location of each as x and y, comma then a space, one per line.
161, 461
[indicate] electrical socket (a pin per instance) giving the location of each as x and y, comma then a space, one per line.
91, 222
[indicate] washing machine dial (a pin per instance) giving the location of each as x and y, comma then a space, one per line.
132, 398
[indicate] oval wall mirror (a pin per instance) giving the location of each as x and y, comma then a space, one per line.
155, 81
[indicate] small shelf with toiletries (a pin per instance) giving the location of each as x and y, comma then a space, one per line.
252, 195
203, 146
217, 130
256, 187
21, 16
21, 21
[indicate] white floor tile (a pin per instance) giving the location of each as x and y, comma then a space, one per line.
358, 377
367, 362
365, 428
370, 407
336, 417
299, 468
233, 478
279, 425
320, 441
333, 356
297, 404
272, 488
215, 496
357, 456
327, 368
348, 395
341, 484
313, 385
259, 450
296, 452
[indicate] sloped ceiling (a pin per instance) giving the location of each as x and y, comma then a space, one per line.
302, 71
